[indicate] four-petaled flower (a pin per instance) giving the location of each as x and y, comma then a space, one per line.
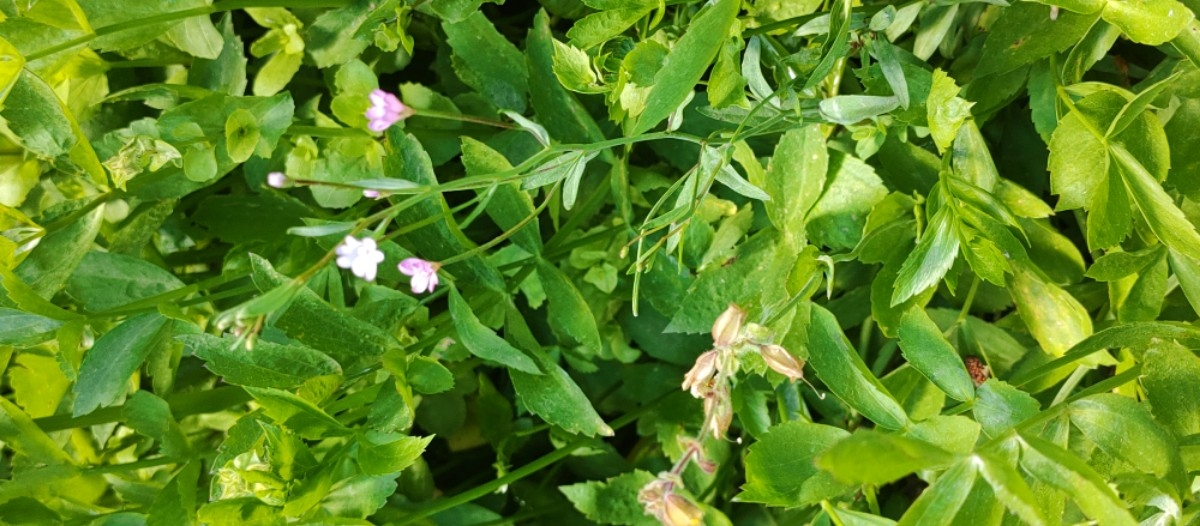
361, 257
424, 274
385, 110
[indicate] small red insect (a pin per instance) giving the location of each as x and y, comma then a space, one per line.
978, 370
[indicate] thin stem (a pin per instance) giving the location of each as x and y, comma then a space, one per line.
219, 7
433, 114
966, 308
507, 233
325, 131
1070, 384
872, 500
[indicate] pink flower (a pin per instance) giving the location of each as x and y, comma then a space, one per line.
361, 257
424, 274
279, 180
385, 110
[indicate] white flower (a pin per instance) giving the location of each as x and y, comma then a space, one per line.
361, 257
424, 274
279, 180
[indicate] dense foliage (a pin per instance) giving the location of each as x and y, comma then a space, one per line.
632, 262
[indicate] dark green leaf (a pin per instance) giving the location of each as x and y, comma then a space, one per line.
556, 398
930, 353
104, 374
780, 469
843, 371
484, 343
266, 365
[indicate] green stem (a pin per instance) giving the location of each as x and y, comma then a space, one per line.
219, 7
966, 308
872, 500
325, 131
432, 114
171, 295
507, 233
182, 405
522, 472
1188, 42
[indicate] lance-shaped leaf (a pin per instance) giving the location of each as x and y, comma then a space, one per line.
104, 374
843, 371
1071, 475
926, 348
484, 343
932, 258
267, 365
939, 503
1124, 429
556, 398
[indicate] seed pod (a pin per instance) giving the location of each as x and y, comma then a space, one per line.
725, 330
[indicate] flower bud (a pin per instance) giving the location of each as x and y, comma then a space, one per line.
778, 359
702, 371
279, 180
725, 330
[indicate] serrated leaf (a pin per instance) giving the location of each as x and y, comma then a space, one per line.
1124, 429
1069, 474
940, 502
556, 398
266, 365
686, 63
613, 501
780, 469
932, 258
104, 374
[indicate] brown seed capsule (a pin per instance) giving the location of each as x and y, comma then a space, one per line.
978, 370
781, 361
702, 372
725, 330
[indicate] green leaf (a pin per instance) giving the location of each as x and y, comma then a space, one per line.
613, 19
241, 135
104, 281
1069, 474
339, 35
1164, 218
488, 62
877, 458
176, 504
383, 453
1136, 336
556, 398
25, 438
311, 320
930, 353
780, 469
562, 114
933, 257
1116, 265
573, 68
11, 64
151, 416
442, 239
104, 374
1124, 429
484, 343
1025, 33
1150, 22
795, 179
1187, 272
428, 376
568, 313
1171, 377
47, 268
570, 166
225, 73
1079, 160
686, 63
34, 114
613, 501
266, 365
359, 496
509, 205
297, 414
946, 110
1055, 318
851, 109
853, 189
275, 75
940, 502
1010, 488
845, 374
999, 407
22, 328
200, 163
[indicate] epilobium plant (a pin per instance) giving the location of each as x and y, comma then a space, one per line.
454, 263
